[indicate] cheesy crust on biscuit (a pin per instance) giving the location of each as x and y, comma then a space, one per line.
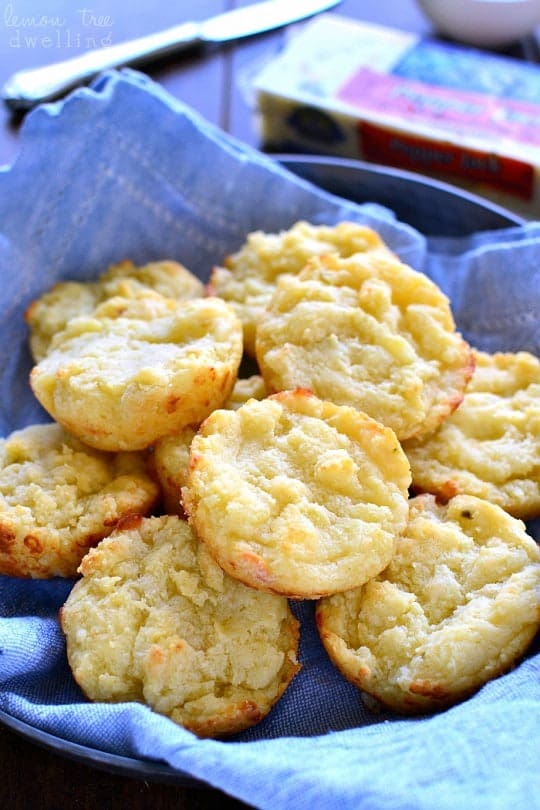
59, 497
51, 312
248, 277
297, 496
489, 446
140, 368
370, 332
457, 606
155, 620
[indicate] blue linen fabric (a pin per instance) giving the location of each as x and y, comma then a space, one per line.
123, 170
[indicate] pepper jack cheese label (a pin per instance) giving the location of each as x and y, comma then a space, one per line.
379, 94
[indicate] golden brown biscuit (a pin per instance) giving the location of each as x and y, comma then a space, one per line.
155, 620
489, 446
297, 496
51, 312
170, 458
167, 277
457, 606
59, 497
140, 368
370, 332
249, 276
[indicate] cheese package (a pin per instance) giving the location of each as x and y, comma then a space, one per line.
387, 96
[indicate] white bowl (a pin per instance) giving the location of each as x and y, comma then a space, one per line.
484, 23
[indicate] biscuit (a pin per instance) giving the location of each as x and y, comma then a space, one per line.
50, 313
297, 496
370, 332
169, 278
489, 446
170, 462
245, 388
155, 620
170, 457
248, 277
139, 368
457, 606
59, 497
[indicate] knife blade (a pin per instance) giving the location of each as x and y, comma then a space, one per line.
26, 88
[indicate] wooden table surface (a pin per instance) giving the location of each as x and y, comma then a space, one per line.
37, 32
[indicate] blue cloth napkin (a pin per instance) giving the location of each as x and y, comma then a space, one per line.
122, 170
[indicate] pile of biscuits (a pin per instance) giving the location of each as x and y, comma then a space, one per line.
372, 461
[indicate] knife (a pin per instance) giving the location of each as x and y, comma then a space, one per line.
26, 88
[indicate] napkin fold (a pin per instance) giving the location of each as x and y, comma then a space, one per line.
123, 170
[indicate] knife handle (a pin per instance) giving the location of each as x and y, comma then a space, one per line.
26, 88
